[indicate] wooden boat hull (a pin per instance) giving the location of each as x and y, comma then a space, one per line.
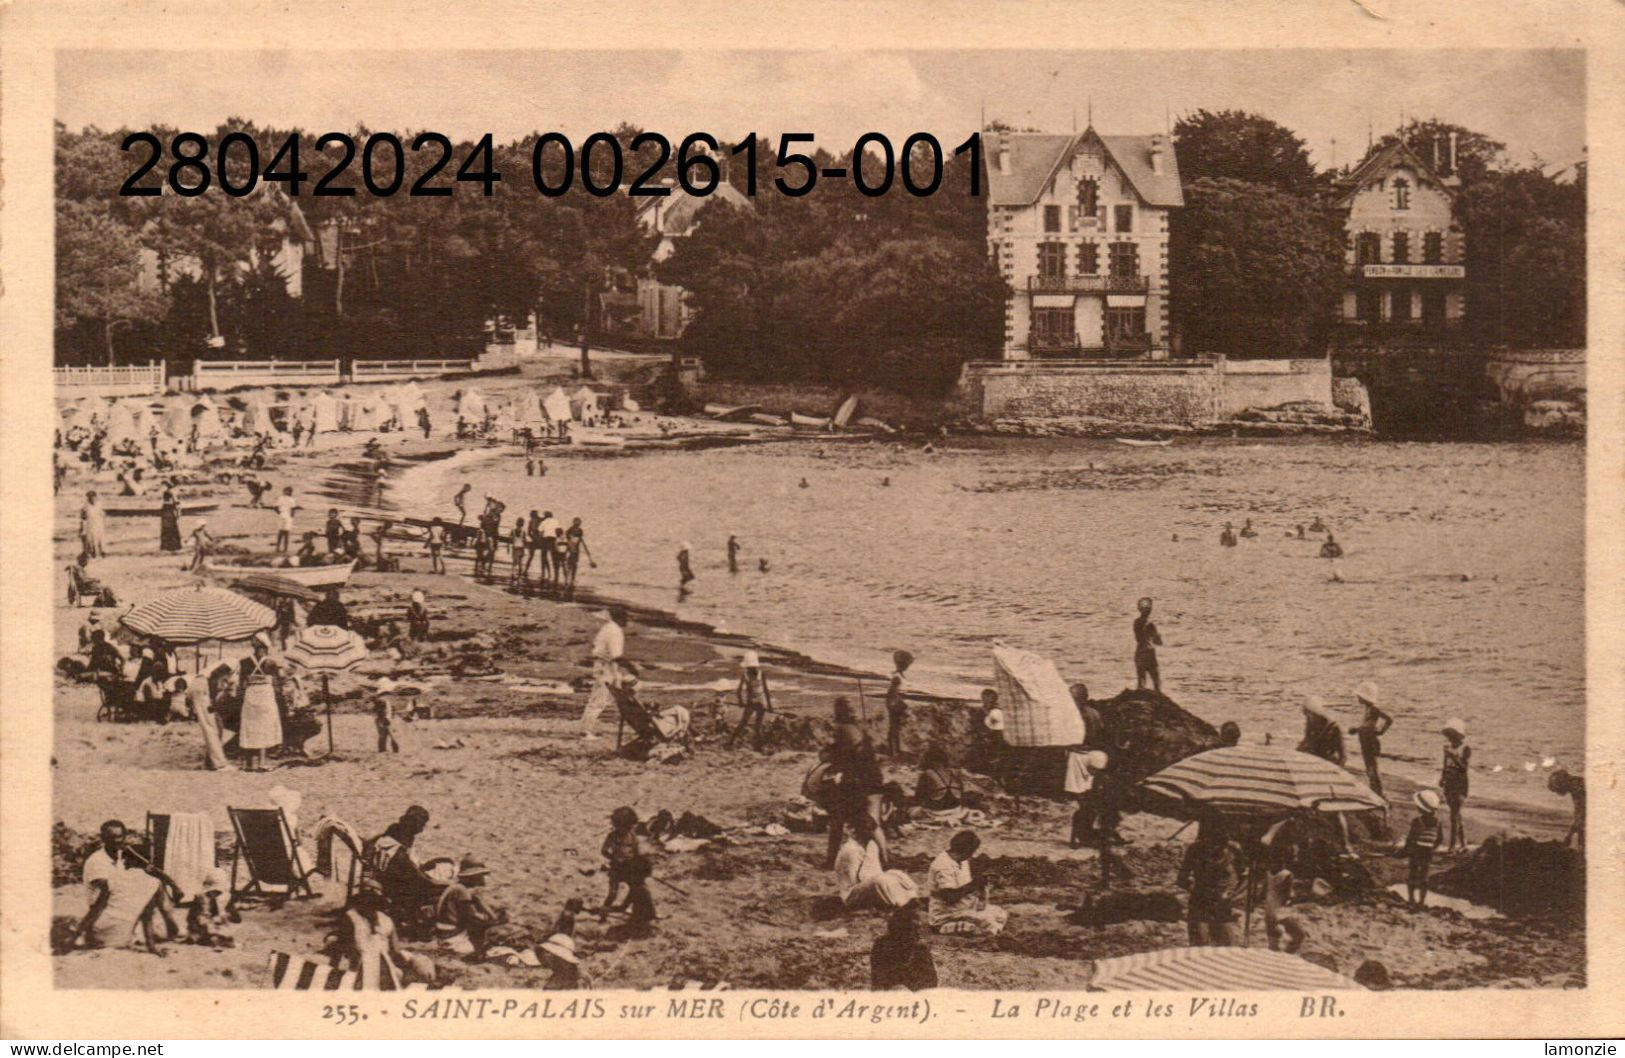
305, 576
843, 414
808, 422
1137, 442
732, 413
154, 509
768, 419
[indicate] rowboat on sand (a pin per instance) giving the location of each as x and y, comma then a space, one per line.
732, 412
764, 418
1141, 442
843, 414
305, 576
137, 508
812, 422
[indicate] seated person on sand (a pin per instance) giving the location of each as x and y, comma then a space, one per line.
959, 899
672, 722
372, 944
941, 787
393, 863
123, 896
861, 877
464, 914
900, 957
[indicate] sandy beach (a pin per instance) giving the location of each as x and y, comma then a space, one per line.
497, 757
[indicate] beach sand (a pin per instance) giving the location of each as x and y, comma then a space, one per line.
500, 762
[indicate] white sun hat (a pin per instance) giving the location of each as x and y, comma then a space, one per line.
1367, 692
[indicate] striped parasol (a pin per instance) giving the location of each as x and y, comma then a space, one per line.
198, 614
1261, 780
326, 648
1199, 969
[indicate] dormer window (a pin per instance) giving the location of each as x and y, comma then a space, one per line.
1402, 193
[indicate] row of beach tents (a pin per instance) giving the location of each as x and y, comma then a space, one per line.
529, 407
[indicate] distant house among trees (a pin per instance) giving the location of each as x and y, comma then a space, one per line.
662, 309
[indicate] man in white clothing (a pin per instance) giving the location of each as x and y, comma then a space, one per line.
285, 506
607, 647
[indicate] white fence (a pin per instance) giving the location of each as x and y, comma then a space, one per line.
110, 381
225, 374
378, 370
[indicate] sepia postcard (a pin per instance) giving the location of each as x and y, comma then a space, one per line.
901, 520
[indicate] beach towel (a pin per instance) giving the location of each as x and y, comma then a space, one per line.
300, 973
188, 854
1038, 706
328, 830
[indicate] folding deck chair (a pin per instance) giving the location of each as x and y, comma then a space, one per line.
266, 849
636, 715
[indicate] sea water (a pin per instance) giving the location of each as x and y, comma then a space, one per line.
1460, 591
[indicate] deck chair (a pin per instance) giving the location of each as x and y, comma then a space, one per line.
303, 973
265, 849
117, 700
85, 590
637, 716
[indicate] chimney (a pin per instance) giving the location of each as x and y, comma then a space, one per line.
1004, 158
1157, 149
1452, 154
1435, 146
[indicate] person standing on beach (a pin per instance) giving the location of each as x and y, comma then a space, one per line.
202, 545
896, 704
858, 786
685, 573
169, 524
575, 539
517, 553
1146, 641
285, 506
460, 501
1564, 784
1227, 538
1420, 843
335, 531
543, 544
753, 696
733, 554
92, 528
1458, 756
1370, 730
607, 648
423, 421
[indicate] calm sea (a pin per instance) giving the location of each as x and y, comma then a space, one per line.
1461, 593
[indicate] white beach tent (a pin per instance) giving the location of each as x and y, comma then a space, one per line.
121, 424
364, 413
178, 417
206, 417
584, 402
324, 411
1038, 706
257, 416
556, 405
471, 406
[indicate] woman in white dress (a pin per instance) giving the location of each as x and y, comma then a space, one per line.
92, 527
261, 724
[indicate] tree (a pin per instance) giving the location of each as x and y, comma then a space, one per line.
1429, 139
1236, 145
1253, 270
98, 273
1526, 248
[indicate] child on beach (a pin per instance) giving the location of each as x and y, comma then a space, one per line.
1458, 756
620, 848
383, 718
896, 705
1420, 842
1279, 915
753, 696
1564, 784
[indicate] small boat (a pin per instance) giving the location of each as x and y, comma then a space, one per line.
306, 576
869, 422
597, 440
1141, 442
133, 508
768, 419
843, 414
814, 422
732, 412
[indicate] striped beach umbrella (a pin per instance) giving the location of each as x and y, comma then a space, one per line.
1199, 969
1261, 780
199, 614
326, 649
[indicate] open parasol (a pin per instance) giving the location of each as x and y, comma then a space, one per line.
1203, 969
1261, 781
199, 614
326, 649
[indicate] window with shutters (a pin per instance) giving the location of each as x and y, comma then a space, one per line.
1125, 218
1052, 218
1402, 247
1402, 193
1433, 248
1089, 259
1088, 198
1051, 260
1368, 248
1125, 259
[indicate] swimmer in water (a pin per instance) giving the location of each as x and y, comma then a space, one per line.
761, 565
684, 572
1331, 548
1317, 526
885, 482
1247, 529
733, 554
1228, 537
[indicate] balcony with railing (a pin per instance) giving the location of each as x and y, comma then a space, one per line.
1068, 347
1088, 284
